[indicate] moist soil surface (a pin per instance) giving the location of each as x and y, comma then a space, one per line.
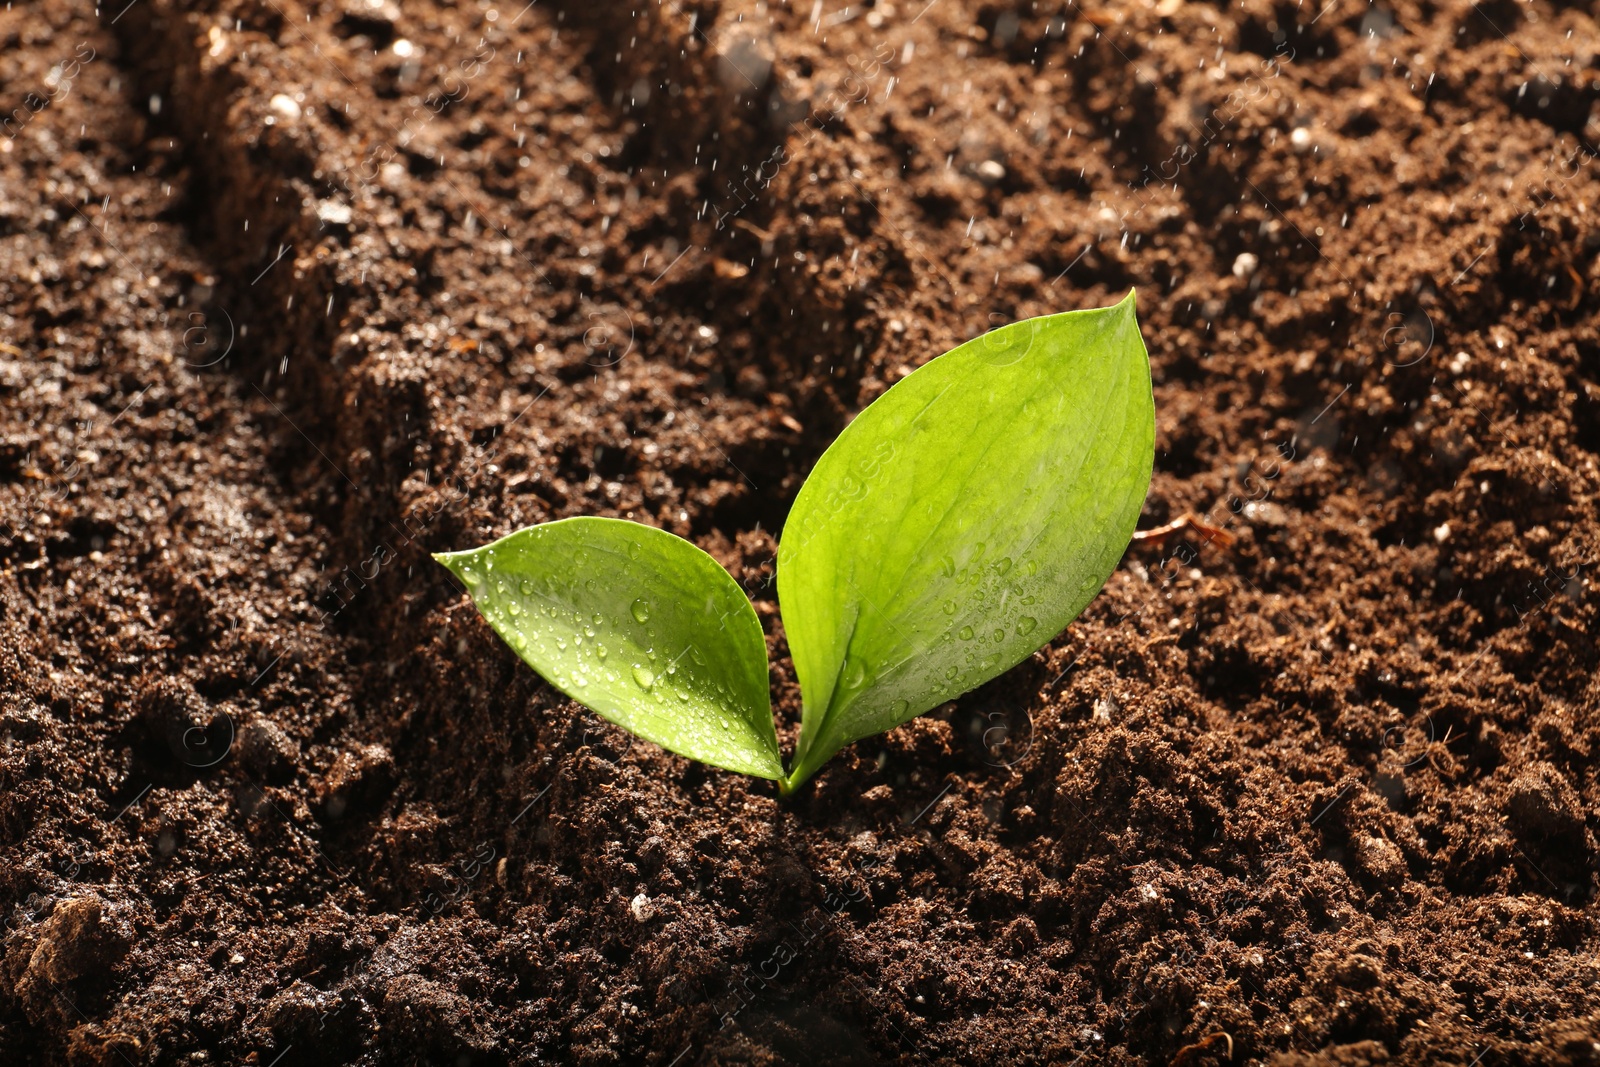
296, 293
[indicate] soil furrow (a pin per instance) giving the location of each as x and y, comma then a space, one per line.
1329, 790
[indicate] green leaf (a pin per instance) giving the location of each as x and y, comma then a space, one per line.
638, 625
962, 520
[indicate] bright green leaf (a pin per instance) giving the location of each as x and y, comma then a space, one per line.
962, 520
640, 626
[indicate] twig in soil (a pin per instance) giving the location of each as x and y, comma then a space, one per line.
1189, 1054
1187, 521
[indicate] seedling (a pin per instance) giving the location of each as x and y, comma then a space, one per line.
952, 530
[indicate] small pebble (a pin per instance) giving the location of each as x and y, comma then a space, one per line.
1245, 264
284, 106
990, 172
642, 909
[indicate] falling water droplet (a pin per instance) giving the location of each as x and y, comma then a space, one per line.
641, 611
1026, 624
645, 677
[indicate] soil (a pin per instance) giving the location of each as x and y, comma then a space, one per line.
295, 293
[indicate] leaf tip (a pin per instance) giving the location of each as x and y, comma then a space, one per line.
450, 561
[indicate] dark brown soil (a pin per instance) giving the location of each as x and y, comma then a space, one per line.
294, 293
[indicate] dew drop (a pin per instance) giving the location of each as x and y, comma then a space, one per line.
696, 655
602, 651
645, 677
579, 680
1026, 624
855, 672
965, 634
1033, 567
999, 635
472, 578
1002, 564
525, 587
633, 550
952, 672
513, 608
641, 611
947, 565
683, 695
949, 607
898, 708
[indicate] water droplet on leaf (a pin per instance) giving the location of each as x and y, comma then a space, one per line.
641, 611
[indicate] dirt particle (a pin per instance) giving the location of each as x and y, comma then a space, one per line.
1379, 859
359, 778
79, 944
1542, 806
267, 750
